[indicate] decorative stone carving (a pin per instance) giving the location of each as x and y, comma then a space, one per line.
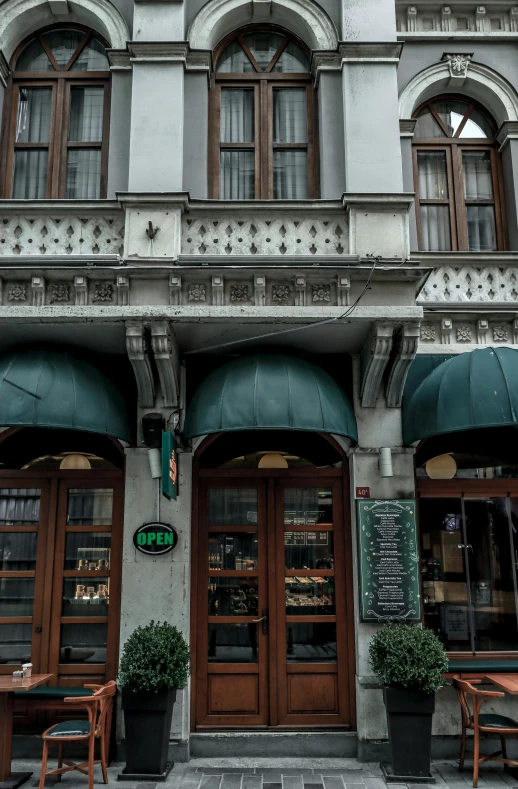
280, 293
122, 290
138, 354
471, 284
175, 290
38, 291
59, 292
515, 332
197, 292
458, 65
446, 331
500, 334
322, 293
344, 291
374, 358
406, 344
464, 334
218, 296
165, 351
103, 291
260, 291
81, 291
239, 293
62, 234
17, 292
428, 332
482, 330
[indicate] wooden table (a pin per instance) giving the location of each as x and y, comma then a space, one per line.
8, 685
506, 682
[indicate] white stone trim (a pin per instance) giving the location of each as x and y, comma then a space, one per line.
20, 17
217, 18
482, 83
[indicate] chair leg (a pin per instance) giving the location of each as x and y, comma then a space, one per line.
504, 751
60, 759
91, 755
462, 748
44, 758
103, 759
476, 754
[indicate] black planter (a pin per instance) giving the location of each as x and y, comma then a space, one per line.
147, 724
409, 718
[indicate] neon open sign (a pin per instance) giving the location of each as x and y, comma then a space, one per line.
155, 539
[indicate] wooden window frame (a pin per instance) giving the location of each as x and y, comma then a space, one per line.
61, 82
263, 83
453, 147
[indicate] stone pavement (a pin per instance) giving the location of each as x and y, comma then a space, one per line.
263, 773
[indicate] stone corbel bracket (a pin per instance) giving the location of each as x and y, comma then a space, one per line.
405, 347
138, 354
165, 352
374, 359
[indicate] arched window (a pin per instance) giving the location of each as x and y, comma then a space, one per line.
56, 142
263, 118
457, 177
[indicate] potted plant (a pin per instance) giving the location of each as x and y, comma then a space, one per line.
154, 664
410, 662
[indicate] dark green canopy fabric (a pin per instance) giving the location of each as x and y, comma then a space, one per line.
270, 392
421, 367
53, 388
472, 390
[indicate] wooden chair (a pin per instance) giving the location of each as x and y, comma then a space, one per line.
97, 727
490, 723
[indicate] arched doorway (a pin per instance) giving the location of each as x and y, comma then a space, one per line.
273, 633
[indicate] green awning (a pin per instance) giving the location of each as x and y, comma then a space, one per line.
42, 387
270, 392
473, 390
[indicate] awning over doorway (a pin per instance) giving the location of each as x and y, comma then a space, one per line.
473, 390
53, 388
270, 392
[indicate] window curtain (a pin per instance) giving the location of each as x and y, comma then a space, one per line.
90, 507
237, 125
478, 185
32, 125
86, 122
432, 184
290, 167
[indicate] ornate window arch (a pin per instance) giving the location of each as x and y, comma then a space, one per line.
457, 175
55, 142
263, 114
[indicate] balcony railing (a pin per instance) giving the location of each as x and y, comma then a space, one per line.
464, 278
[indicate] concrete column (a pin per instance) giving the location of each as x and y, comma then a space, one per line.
510, 171
120, 123
196, 137
331, 136
158, 53
406, 128
157, 588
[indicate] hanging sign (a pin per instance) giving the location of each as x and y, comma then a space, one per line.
169, 465
389, 561
155, 539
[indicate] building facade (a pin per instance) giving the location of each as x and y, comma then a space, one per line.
287, 228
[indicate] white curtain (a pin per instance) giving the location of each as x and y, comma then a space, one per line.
478, 185
433, 185
32, 125
237, 125
289, 115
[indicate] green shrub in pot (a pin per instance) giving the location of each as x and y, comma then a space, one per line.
155, 662
410, 662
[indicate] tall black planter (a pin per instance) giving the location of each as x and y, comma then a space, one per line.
409, 718
147, 724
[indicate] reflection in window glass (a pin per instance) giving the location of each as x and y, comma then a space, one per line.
16, 596
83, 643
232, 506
18, 551
86, 114
310, 642
15, 643
83, 175
233, 596
33, 58
233, 643
310, 596
86, 596
308, 550
92, 58
33, 118
237, 174
435, 228
63, 44
237, 115
234, 60
233, 551
88, 551
289, 115
263, 47
90, 507
19, 506
307, 506
481, 228
290, 175
292, 60
490, 623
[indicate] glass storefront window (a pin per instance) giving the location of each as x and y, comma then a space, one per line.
307, 506
18, 551
310, 596
16, 596
19, 506
310, 550
90, 507
86, 596
233, 596
468, 567
233, 551
232, 506
83, 643
88, 551
15, 643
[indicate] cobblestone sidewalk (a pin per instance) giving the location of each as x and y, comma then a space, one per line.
263, 773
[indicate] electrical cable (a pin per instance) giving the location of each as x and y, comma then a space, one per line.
293, 328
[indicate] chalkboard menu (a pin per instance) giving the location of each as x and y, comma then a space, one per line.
389, 561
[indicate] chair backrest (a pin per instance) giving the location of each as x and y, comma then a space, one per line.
464, 689
98, 705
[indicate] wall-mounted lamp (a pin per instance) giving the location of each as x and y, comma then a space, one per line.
385, 462
155, 463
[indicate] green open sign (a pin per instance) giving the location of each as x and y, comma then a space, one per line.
155, 538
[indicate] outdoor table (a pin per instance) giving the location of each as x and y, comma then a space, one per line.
8, 685
506, 682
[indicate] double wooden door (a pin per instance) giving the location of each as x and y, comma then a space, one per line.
274, 624
60, 536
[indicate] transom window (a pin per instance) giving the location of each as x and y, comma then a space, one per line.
456, 172
56, 142
263, 119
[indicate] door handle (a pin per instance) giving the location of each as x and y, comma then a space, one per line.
39, 628
264, 620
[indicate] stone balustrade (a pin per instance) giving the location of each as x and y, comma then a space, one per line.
460, 278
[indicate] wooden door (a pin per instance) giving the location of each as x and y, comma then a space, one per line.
48, 523
274, 623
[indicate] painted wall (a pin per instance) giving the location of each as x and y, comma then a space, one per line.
196, 135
